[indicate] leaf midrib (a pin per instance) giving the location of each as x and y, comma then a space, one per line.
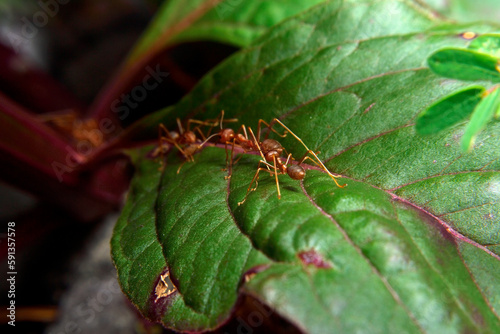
391, 290
346, 237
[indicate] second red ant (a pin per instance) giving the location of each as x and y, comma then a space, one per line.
271, 152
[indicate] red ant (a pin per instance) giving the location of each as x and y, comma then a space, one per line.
271, 151
187, 142
265, 148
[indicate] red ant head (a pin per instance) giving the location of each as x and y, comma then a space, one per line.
226, 135
189, 137
244, 142
296, 172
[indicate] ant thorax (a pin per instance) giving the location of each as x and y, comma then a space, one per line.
189, 137
271, 148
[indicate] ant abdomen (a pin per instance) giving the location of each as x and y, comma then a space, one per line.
296, 172
190, 150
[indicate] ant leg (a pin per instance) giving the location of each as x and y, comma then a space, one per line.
179, 169
205, 140
199, 125
222, 120
244, 131
230, 158
239, 158
229, 165
276, 172
255, 179
318, 161
179, 126
270, 127
212, 122
218, 120
169, 139
334, 177
202, 135
162, 144
230, 162
276, 176
186, 155
293, 134
256, 142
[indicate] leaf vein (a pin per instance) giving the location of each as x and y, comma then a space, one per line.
344, 233
434, 269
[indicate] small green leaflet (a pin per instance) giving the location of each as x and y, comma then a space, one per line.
463, 64
449, 110
487, 43
482, 114
480, 61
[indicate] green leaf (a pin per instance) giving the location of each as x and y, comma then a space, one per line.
449, 111
233, 22
482, 114
138, 255
465, 64
468, 10
410, 245
487, 43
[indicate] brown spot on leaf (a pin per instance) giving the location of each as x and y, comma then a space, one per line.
159, 297
248, 277
164, 287
311, 257
249, 274
369, 107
